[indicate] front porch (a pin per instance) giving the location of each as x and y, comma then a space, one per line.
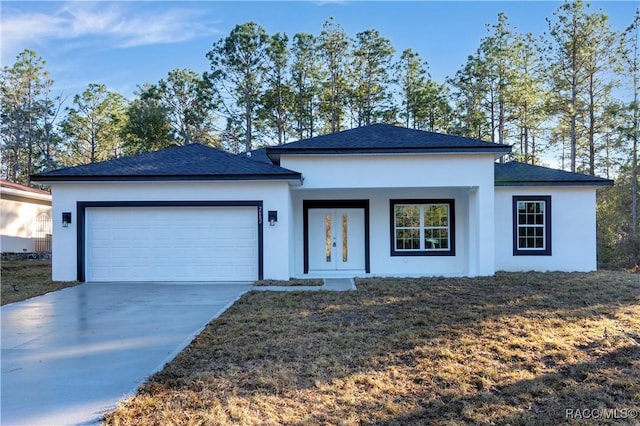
354, 232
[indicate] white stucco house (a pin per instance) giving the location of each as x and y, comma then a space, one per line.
25, 219
379, 200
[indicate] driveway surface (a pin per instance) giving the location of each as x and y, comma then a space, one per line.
70, 356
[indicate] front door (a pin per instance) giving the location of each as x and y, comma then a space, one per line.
336, 239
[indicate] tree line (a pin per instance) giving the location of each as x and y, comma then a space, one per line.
570, 93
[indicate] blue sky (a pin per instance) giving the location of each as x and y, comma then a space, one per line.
124, 44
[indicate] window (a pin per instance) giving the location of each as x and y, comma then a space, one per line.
531, 225
422, 228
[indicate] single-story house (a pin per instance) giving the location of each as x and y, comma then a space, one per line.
379, 200
25, 219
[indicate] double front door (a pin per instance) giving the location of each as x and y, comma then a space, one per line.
336, 239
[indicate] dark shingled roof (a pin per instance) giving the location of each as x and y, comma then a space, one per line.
385, 138
189, 162
520, 174
257, 155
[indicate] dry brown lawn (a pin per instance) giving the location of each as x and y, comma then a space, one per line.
23, 279
516, 349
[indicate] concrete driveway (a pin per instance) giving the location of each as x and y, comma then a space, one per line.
71, 355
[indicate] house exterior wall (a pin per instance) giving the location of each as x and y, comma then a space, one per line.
468, 179
275, 196
18, 222
573, 230
392, 171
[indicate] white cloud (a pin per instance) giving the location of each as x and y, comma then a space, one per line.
109, 24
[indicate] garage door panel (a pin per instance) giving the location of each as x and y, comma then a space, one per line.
171, 244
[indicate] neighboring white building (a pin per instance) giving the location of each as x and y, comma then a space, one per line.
25, 219
379, 200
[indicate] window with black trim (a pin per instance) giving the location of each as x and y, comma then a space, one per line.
422, 228
531, 225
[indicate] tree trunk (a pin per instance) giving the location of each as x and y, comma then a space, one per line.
592, 119
247, 117
634, 165
574, 96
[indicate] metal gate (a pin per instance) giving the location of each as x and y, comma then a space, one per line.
43, 233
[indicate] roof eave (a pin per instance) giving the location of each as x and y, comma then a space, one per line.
292, 177
25, 194
275, 153
556, 183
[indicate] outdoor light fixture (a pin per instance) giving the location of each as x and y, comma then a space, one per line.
66, 219
273, 217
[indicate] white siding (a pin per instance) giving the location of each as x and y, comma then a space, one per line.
573, 230
275, 196
392, 171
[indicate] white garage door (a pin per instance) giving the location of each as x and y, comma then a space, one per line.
171, 244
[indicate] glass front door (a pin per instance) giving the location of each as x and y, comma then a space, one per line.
336, 239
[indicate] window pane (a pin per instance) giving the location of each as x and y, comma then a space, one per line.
436, 215
407, 239
407, 215
444, 244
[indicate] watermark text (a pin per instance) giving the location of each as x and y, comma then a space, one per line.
601, 413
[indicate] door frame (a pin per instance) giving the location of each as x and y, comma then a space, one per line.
335, 204
81, 207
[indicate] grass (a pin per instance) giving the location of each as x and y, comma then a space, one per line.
23, 279
514, 349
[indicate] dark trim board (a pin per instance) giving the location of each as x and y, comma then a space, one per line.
336, 204
83, 205
167, 178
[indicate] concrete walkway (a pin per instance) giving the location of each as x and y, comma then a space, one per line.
70, 356
330, 284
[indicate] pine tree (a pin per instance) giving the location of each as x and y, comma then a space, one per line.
371, 59
582, 45
276, 101
94, 125
238, 72
27, 112
186, 98
333, 47
411, 76
306, 75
